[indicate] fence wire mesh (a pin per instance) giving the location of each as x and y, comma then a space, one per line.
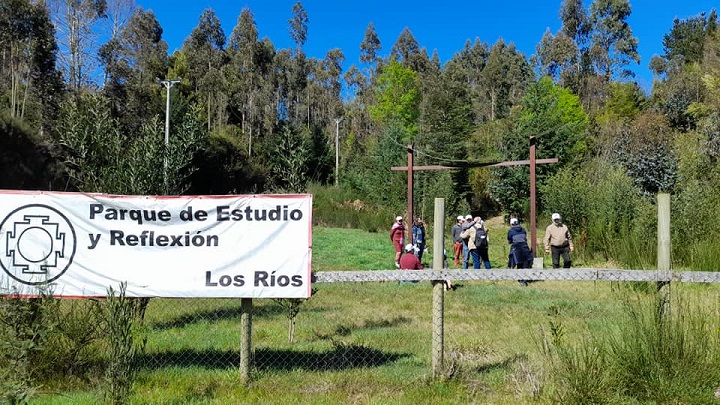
374, 322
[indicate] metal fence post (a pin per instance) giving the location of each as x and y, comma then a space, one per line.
245, 339
438, 317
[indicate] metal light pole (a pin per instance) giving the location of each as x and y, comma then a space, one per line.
337, 148
168, 84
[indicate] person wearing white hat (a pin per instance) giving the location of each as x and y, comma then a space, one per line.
466, 249
520, 254
397, 237
457, 240
409, 261
558, 242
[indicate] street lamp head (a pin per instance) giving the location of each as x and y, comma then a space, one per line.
168, 82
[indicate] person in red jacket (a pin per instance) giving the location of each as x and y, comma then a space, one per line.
397, 236
409, 261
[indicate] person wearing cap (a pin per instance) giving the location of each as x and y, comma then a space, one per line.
558, 242
457, 240
418, 237
397, 237
466, 249
409, 260
520, 254
469, 235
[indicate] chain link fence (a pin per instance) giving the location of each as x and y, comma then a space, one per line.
360, 321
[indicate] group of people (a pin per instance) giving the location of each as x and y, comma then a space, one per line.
470, 239
558, 243
471, 242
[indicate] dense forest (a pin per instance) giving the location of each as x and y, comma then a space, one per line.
246, 117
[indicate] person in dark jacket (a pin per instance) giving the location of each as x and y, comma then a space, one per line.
520, 254
418, 237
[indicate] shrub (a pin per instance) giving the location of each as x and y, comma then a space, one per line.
657, 353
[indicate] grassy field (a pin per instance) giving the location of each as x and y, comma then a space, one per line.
370, 343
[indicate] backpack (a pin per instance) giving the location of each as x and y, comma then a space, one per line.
480, 238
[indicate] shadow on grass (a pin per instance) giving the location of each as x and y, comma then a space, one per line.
346, 330
500, 365
220, 314
341, 357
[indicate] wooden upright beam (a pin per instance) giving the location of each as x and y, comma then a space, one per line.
533, 214
410, 191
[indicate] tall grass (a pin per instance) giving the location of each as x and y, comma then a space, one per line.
338, 208
649, 354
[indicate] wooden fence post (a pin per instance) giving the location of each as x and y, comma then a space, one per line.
245, 339
664, 250
438, 317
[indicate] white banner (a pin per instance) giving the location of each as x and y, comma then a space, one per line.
78, 245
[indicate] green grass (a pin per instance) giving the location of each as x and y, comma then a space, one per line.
371, 342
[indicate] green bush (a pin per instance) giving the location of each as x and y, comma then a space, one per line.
606, 213
125, 340
26, 324
659, 352
340, 208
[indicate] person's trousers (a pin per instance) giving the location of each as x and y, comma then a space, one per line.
466, 256
421, 249
475, 258
556, 252
397, 244
484, 256
457, 247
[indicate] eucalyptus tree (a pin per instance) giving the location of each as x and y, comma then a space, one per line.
360, 81
76, 22
30, 84
407, 50
686, 39
370, 46
299, 25
466, 66
243, 73
133, 62
299, 67
504, 78
565, 56
118, 14
613, 46
204, 50
327, 103
556, 56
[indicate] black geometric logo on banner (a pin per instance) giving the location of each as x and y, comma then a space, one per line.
37, 244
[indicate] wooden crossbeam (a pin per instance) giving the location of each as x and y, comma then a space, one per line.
532, 162
471, 165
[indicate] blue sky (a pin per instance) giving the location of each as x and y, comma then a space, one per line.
340, 24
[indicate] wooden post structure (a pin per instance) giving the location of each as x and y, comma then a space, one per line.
438, 301
245, 339
410, 191
664, 247
411, 168
533, 213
